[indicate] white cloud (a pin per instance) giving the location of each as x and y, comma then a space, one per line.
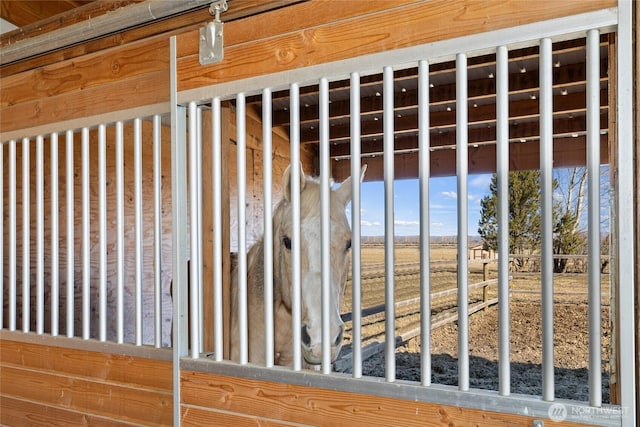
450, 194
403, 223
365, 223
481, 181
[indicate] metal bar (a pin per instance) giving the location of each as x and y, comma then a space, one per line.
86, 237
325, 223
137, 182
39, 235
55, 236
218, 332
157, 226
424, 175
133, 15
120, 232
70, 233
198, 236
389, 235
593, 218
194, 207
268, 227
502, 169
626, 249
296, 311
12, 236
462, 171
241, 140
546, 182
102, 219
356, 255
26, 247
179, 231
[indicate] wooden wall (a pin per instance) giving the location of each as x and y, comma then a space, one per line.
44, 385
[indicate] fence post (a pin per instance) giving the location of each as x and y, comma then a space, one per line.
485, 291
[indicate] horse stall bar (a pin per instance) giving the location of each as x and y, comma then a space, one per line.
296, 109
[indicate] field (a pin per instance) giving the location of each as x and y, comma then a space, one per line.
570, 324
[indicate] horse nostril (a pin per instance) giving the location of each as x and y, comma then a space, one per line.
306, 339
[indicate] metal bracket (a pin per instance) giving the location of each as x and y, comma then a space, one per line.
211, 36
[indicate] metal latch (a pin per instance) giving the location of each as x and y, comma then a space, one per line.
211, 36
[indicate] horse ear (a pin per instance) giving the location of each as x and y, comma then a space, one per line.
344, 191
286, 182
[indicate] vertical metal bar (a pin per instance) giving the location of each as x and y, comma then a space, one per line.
120, 232
356, 255
39, 234
424, 175
198, 183
268, 228
502, 162
194, 207
593, 218
70, 233
462, 172
325, 223
26, 239
546, 181
296, 311
12, 235
389, 235
102, 219
137, 166
55, 235
625, 212
157, 227
179, 231
216, 119
86, 237
241, 139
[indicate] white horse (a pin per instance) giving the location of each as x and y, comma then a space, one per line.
311, 274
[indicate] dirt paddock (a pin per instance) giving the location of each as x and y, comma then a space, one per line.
570, 355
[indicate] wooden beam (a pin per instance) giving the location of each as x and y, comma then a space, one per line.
23, 13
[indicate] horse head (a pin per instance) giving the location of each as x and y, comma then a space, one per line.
310, 257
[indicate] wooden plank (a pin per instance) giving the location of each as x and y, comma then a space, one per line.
307, 405
405, 26
104, 399
196, 416
16, 412
132, 371
21, 13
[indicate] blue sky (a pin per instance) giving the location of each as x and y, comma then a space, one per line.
442, 201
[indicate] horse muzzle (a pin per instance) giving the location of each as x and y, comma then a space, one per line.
312, 349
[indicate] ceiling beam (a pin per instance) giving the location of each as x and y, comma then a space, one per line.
21, 13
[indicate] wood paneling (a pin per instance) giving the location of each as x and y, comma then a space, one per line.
300, 405
40, 383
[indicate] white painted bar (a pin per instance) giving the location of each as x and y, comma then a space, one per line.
194, 207
389, 232
425, 233
55, 236
198, 236
86, 237
137, 182
626, 214
546, 182
157, 229
593, 217
70, 233
241, 141
268, 227
462, 171
120, 232
356, 255
39, 235
218, 330
26, 239
12, 236
102, 225
294, 138
325, 222
502, 170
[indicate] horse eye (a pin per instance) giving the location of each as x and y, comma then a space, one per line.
287, 242
348, 245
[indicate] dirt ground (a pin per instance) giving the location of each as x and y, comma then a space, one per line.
570, 356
